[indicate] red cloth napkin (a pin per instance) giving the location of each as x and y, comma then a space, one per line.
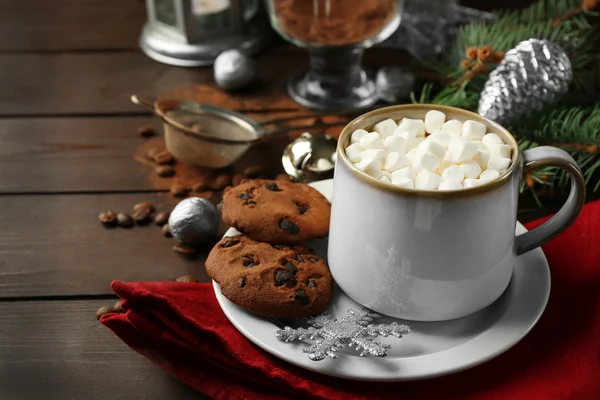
181, 328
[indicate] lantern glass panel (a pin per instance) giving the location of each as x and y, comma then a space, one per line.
165, 12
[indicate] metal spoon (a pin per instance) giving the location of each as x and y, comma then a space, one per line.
311, 157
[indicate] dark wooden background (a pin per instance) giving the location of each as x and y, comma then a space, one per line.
67, 135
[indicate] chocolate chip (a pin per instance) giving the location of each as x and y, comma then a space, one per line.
242, 282
302, 208
143, 204
299, 258
162, 218
249, 261
142, 216
117, 307
280, 246
282, 276
146, 131
166, 231
230, 243
164, 158
301, 296
187, 278
108, 218
183, 249
124, 220
289, 226
312, 284
272, 187
254, 171
237, 179
165, 171
245, 196
290, 267
220, 182
200, 187
178, 190
151, 153
103, 310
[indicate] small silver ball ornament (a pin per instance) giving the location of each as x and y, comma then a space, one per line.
234, 70
194, 221
394, 83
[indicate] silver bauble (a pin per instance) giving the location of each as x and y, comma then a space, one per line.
533, 74
234, 70
194, 221
394, 84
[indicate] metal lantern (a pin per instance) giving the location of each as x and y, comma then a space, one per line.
191, 33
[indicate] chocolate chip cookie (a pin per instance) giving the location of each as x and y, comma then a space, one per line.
283, 281
276, 211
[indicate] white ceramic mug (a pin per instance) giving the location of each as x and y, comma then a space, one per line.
435, 255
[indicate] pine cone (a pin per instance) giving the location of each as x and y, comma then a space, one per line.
533, 74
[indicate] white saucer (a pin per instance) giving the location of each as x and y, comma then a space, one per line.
432, 348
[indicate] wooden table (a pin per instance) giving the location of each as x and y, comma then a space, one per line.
67, 135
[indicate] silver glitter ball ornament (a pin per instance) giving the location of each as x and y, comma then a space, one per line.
234, 70
193, 221
533, 74
394, 84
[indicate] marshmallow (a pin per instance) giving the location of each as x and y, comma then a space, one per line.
461, 150
491, 139
444, 164
481, 146
500, 164
426, 161
434, 120
410, 142
379, 154
472, 169
370, 166
411, 155
357, 135
395, 161
385, 179
450, 184
404, 133
395, 143
467, 183
452, 128
473, 130
385, 128
453, 172
386, 174
500, 150
415, 127
406, 172
440, 137
354, 153
432, 147
426, 180
482, 157
371, 140
403, 182
489, 175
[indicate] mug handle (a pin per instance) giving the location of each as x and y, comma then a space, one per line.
546, 156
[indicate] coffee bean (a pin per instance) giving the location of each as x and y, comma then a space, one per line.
230, 243
124, 220
142, 216
166, 231
283, 177
289, 226
312, 284
108, 218
200, 187
187, 278
117, 307
151, 153
242, 282
164, 158
178, 190
291, 268
143, 204
220, 182
282, 276
165, 171
103, 310
162, 218
301, 296
237, 179
146, 131
183, 249
254, 171
272, 187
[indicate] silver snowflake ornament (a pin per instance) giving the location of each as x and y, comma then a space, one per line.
354, 330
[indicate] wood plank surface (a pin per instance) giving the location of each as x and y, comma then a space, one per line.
55, 245
68, 25
57, 350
